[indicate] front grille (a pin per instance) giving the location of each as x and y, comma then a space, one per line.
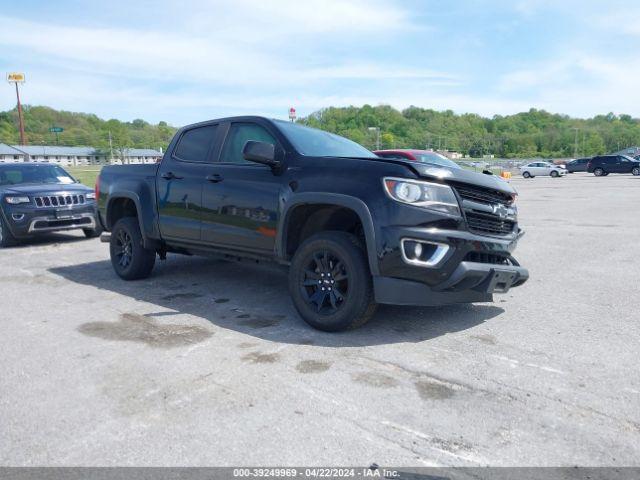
483, 195
489, 224
483, 222
490, 258
61, 200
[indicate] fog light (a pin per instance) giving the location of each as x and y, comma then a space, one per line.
17, 216
422, 253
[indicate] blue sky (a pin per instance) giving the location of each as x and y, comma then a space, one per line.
191, 60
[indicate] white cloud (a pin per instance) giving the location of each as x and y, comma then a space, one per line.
577, 83
209, 58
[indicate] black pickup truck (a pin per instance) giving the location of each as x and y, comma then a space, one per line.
354, 229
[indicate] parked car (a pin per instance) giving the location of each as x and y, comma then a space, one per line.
354, 229
424, 156
535, 169
603, 165
578, 165
38, 198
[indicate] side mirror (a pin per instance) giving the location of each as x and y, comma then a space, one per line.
260, 152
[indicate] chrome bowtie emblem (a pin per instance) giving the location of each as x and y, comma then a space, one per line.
501, 211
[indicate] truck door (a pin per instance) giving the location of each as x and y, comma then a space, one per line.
179, 184
240, 198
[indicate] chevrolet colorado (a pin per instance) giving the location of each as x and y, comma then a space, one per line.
354, 229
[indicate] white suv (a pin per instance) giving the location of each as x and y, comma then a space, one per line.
533, 169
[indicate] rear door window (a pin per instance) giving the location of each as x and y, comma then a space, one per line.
194, 144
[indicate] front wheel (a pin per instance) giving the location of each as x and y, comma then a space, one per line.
598, 172
129, 258
330, 283
636, 171
92, 232
555, 174
6, 237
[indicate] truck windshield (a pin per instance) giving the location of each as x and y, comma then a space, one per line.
19, 174
318, 143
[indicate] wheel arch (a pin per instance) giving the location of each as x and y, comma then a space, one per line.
120, 205
310, 199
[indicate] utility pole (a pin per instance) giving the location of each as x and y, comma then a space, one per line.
575, 145
110, 148
17, 78
377, 130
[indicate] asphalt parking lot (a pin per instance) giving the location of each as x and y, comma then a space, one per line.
207, 363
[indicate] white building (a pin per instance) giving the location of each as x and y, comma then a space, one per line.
75, 156
9, 154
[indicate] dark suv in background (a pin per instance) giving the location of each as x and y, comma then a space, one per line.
39, 198
578, 165
603, 165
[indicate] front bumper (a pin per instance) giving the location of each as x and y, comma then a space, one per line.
25, 221
471, 282
473, 268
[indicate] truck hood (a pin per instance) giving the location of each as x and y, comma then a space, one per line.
39, 188
454, 175
460, 175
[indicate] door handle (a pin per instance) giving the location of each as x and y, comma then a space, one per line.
170, 176
215, 178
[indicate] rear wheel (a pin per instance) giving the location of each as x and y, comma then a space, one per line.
526, 174
330, 282
598, 172
636, 171
6, 237
129, 258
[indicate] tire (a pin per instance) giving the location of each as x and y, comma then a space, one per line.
338, 263
635, 171
130, 260
598, 172
92, 232
526, 175
6, 237
554, 174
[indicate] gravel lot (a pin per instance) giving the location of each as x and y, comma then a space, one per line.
207, 363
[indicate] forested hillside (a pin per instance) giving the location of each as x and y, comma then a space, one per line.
82, 129
529, 134
535, 133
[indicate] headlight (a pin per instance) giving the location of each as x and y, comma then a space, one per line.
90, 196
17, 200
432, 196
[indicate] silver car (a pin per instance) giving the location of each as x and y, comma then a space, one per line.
534, 169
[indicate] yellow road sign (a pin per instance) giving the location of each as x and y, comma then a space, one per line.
16, 77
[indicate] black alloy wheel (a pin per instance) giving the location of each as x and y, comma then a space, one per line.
124, 247
325, 283
330, 282
129, 258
